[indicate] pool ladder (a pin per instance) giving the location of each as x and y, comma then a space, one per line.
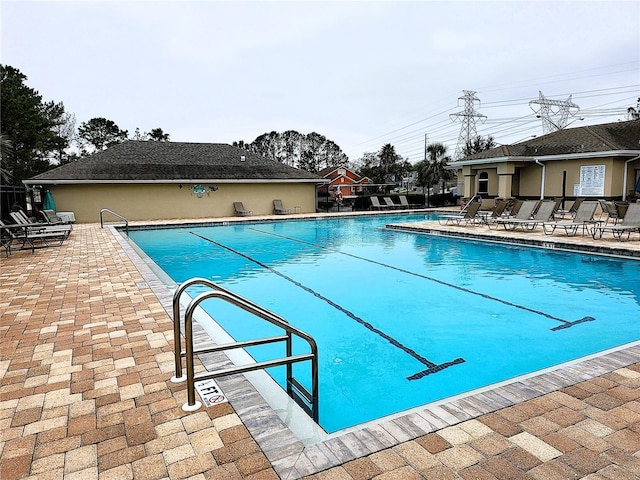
124, 220
308, 401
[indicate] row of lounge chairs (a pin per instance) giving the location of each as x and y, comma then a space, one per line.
530, 214
278, 209
389, 205
25, 233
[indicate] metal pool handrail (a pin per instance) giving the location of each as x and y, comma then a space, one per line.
473, 199
126, 222
308, 401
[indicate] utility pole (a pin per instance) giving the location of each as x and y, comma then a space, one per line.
548, 107
425, 147
467, 118
425, 162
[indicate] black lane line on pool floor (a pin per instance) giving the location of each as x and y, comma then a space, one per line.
564, 323
432, 367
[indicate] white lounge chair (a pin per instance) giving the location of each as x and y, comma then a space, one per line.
405, 204
389, 203
376, 205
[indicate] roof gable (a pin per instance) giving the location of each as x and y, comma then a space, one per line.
332, 173
140, 161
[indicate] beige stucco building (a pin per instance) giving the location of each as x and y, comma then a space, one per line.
173, 180
600, 161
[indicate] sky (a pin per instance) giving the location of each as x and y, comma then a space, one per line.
363, 74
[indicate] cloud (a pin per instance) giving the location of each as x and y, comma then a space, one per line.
360, 73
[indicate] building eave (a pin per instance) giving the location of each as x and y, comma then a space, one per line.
172, 181
547, 158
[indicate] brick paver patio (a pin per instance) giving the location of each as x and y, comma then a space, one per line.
87, 357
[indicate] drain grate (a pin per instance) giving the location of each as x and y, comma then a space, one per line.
142, 285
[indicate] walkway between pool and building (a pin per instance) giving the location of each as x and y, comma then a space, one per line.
87, 359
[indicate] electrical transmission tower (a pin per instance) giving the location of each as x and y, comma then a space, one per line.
563, 109
467, 118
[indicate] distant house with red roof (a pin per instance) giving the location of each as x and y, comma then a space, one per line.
341, 181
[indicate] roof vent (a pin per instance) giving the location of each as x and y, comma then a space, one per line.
242, 158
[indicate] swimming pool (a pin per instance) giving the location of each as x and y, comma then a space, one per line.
402, 320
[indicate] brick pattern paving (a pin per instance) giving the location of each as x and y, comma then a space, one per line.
87, 357
85, 393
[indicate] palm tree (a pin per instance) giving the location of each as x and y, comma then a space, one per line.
438, 163
388, 161
634, 113
5, 149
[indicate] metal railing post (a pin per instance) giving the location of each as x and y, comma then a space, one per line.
191, 405
289, 352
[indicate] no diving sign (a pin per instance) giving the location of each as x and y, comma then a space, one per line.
210, 393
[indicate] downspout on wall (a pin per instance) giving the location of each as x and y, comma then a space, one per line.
544, 171
625, 175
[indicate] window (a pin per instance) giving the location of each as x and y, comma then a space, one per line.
483, 183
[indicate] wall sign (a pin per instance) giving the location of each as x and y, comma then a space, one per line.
591, 180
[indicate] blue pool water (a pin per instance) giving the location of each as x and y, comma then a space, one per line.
403, 319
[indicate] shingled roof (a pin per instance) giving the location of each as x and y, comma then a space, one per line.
150, 161
604, 138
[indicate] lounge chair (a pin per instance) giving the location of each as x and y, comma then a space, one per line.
21, 219
514, 208
583, 218
467, 202
18, 233
376, 205
50, 217
497, 212
5, 240
389, 203
630, 223
544, 213
573, 209
524, 215
240, 211
609, 209
470, 215
621, 208
405, 204
278, 208
556, 207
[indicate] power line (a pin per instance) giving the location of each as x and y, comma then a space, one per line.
411, 134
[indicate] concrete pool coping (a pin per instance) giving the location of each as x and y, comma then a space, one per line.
293, 457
